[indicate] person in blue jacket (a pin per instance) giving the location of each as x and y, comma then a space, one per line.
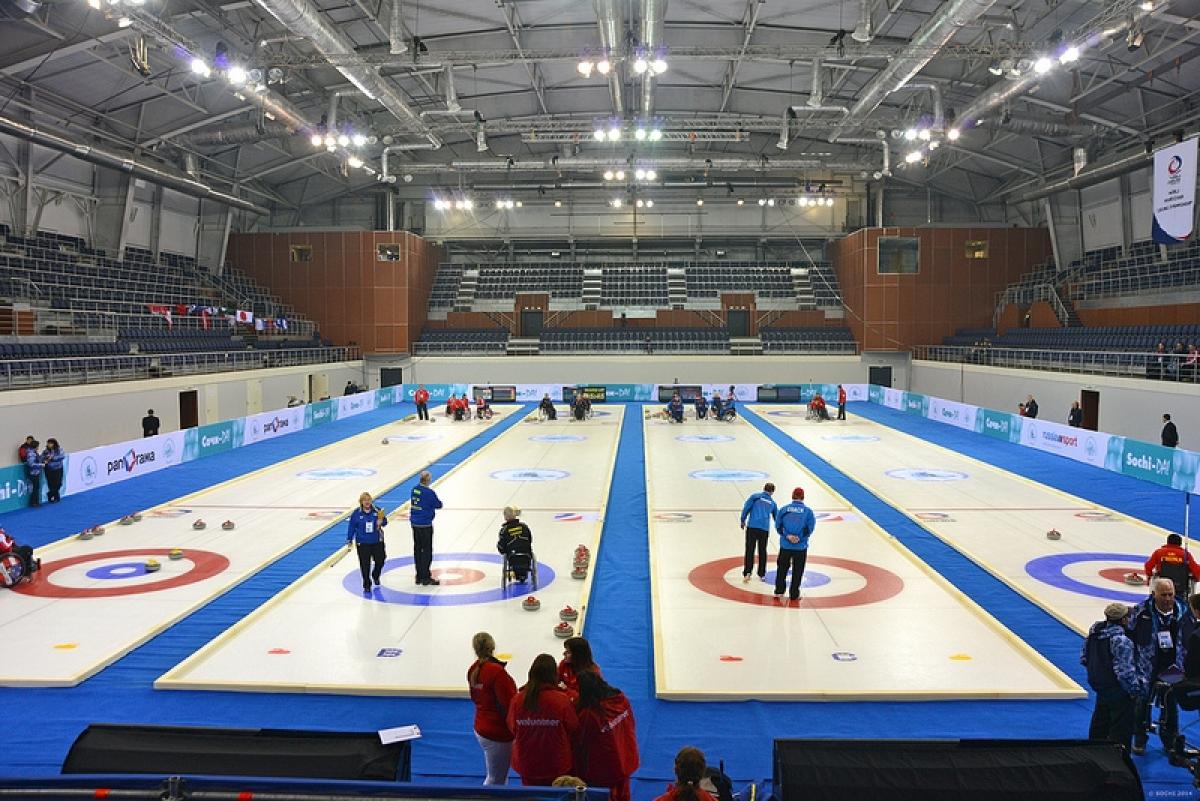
366, 530
33, 473
1109, 657
757, 513
701, 406
422, 507
53, 457
795, 523
675, 408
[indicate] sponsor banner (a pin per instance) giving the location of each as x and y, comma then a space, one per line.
1080, 444
269, 425
533, 393
998, 425
915, 404
742, 393
385, 396
620, 393
1147, 462
961, 415
212, 439
438, 393
318, 414
351, 405
893, 398
855, 392
108, 464
14, 488
875, 394
1174, 201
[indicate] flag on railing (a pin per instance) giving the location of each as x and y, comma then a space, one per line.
246, 317
204, 312
281, 323
162, 311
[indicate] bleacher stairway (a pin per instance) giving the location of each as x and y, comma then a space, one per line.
804, 291
591, 287
466, 290
677, 287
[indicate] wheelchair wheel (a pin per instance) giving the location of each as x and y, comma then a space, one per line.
533, 577
504, 573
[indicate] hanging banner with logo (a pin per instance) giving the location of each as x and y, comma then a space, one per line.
1175, 192
109, 464
269, 425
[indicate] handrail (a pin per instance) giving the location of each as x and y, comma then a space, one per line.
1138, 364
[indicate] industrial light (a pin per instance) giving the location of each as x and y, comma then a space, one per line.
659, 66
639, 203
620, 175
124, 22
649, 204
94, 4
803, 202
655, 134
995, 68
199, 67
585, 68
609, 175
913, 157
924, 134
910, 134
953, 134
741, 201
770, 201
343, 140
603, 66
1069, 55
558, 204
354, 161
614, 134
1042, 65
640, 134
439, 204
934, 145
1147, 5
598, 135
519, 204
317, 140
762, 201
616, 202
330, 140
358, 139
236, 75
699, 201
639, 174
651, 175
640, 65
499, 204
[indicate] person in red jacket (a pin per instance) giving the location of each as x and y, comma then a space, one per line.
421, 398
16, 561
689, 772
841, 403
606, 750
492, 690
1173, 562
577, 658
543, 722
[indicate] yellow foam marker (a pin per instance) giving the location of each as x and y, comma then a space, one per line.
66, 646
504, 657
960, 657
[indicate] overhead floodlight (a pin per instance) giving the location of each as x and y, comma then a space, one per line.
609, 175
317, 140
558, 204
343, 140
355, 162
655, 134
640, 65
1069, 55
330, 140
770, 201
639, 174
94, 4
236, 75
620, 175
358, 140
762, 201
201, 68
616, 202
499, 204
651, 175
639, 203
614, 134
924, 134
585, 68
124, 22
741, 201
996, 69
803, 202
699, 201
659, 66
598, 135
468, 204
1147, 5
649, 204
440, 205
519, 204
603, 66
953, 134
640, 134
911, 134
913, 157
1042, 65
934, 145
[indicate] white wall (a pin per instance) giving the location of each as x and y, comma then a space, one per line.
1101, 211
1128, 406
98, 414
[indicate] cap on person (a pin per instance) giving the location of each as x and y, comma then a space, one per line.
511, 512
798, 494
1115, 612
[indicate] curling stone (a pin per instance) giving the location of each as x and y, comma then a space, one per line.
1054, 534
98, 531
175, 553
86, 534
531, 604
228, 525
1135, 579
153, 566
568, 613
385, 440
708, 457
137, 516
127, 520
199, 524
579, 573
564, 630
581, 562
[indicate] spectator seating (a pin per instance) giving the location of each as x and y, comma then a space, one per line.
445, 286
1143, 271
634, 285
768, 280
498, 281
808, 340
1142, 338
662, 340
453, 343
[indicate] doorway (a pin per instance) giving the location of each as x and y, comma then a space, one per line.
880, 376
391, 376
189, 409
1089, 399
531, 323
738, 322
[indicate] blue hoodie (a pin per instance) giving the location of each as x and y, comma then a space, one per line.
795, 519
53, 458
365, 527
33, 463
1114, 653
761, 509
423, 506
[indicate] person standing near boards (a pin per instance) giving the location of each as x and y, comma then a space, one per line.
150, 424
422, 508
366, 530
841, 402
421, 398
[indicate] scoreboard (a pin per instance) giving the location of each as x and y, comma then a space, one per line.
778, 394
504, 394
688, 393
594, 394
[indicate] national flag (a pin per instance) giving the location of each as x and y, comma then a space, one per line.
260, 324
244, 316
281, 323
162, 311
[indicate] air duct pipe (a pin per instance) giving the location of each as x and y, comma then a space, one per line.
862, 32
816, 96
612, 33
937, 31
397, 34
694, 165
332, 115
939, 111
1091, 177
243, 135
653, 14
384, 175
1036, 127
791, 111
304, 18
126, 164
880, 139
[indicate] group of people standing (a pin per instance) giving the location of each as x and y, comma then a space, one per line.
794, 523
47, 462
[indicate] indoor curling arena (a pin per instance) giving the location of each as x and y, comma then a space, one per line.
627, 399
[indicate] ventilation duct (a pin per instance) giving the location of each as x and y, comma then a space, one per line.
862, 31
1035, 127
1091, 177
126, 164
939, 111
816, 96
880, 139
242, 135
612, 33
653, 14
397, 33
791, 111
693, 165
304, 19
385, 176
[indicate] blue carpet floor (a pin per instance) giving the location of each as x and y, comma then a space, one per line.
618, 625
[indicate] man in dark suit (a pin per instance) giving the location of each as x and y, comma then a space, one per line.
149, 424
1170, 434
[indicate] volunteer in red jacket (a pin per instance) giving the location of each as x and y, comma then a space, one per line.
492, 690
543, 722
577, 658
421, 398
689, 772
606, 750
841, 402
1173, 562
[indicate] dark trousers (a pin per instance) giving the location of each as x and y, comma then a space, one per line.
54, 480
841, 411
794, 559
35, 487
1112, 719
1185, 694
422, 411
459, 414
367, 553
756, 541
423, 551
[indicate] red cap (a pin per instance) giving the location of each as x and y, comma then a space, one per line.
798, 494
